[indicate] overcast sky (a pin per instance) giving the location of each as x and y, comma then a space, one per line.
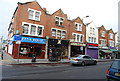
102, 12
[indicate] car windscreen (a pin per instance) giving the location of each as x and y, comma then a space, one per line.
116, 64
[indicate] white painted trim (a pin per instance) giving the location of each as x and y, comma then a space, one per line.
34, 11
37, 25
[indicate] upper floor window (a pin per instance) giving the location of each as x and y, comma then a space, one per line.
63, 34
34, 14
111, 43
92, 40
111, 36
103, 34
59, 21
25, 28
103, 42
92, 31
59, 33
78, 37
78, 26
53, 32
32, 29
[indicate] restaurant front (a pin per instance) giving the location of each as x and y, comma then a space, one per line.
27, 47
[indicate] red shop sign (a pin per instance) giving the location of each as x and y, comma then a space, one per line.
93, 45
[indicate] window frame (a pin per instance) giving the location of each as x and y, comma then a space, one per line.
29, 30
34, 14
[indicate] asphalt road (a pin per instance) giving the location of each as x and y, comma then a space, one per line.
59, 71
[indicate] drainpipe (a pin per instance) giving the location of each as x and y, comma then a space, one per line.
46, 48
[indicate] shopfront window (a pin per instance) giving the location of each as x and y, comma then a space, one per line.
23, 50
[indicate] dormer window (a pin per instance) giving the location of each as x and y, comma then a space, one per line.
59, 21
78, 27
34, 14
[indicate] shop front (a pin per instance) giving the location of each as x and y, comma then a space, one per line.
92, 50
104, 52
58, 48
27, 47
77, 48
114, 52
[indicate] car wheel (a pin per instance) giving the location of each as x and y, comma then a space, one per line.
95, 62
83, 63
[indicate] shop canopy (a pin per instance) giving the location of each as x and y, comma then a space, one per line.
107, 51
114, 50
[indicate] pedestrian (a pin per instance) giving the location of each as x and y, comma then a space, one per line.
2, 56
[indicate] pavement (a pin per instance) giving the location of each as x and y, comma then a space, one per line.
8, 60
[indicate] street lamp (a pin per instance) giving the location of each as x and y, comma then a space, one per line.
85, 17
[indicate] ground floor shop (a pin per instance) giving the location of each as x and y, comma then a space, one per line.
27, 47
77, 48
58, 49
92, 50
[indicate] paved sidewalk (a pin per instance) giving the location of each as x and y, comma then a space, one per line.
7, 59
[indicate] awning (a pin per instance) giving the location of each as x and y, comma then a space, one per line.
114, 50
107, 51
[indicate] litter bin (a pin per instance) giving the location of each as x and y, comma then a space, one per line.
34, 58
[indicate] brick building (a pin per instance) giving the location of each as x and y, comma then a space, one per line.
41, 32
29, 21
77, 37
106, 39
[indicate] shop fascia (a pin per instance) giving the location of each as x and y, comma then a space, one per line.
29, 39
92, 45
77, 44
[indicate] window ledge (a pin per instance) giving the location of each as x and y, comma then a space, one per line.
59, 25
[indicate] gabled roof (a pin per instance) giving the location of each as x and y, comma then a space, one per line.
77, 18
59, 10
101, 27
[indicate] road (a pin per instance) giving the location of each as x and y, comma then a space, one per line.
59, 71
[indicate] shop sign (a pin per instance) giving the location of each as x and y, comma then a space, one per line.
33, 40
94, 45
59, 42
103, 47
77, 44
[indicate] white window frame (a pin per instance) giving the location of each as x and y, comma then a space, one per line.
34, 14
103, 42
59, 20
78, 28
77, 34
111, 43
60, 34
111, 35
102, 33
29, 30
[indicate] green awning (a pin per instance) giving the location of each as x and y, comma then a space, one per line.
113, 50
107, 51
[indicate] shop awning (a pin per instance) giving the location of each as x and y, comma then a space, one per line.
114, 50
107, 51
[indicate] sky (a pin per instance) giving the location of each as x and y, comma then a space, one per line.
101, 12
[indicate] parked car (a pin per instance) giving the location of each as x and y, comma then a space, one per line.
113, 72
82, 60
